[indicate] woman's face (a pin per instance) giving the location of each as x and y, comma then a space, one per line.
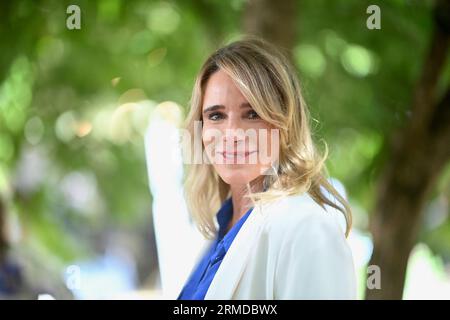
236, 140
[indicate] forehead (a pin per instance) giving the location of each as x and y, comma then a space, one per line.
221, 89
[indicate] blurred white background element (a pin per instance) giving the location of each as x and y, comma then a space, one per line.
106, 277
45, 296
179, 243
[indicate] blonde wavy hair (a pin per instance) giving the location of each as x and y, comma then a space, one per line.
269, 83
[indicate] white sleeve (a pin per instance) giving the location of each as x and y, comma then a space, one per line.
315, 261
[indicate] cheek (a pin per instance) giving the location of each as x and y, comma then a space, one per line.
207, 136
270, 141
209, 141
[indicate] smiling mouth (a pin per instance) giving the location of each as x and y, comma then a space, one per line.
235, 155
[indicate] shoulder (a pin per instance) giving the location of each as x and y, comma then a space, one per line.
308, 248
299, 216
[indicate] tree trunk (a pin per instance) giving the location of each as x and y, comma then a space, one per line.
418, 155
274, 21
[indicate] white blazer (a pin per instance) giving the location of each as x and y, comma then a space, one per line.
288, 249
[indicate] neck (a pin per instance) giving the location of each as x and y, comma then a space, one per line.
242, 203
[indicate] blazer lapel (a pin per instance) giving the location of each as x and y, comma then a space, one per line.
230, 270
232, 267
233, 264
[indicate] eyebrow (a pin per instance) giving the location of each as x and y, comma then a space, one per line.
221, 106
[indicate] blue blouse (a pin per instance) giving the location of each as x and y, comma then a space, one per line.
199, 281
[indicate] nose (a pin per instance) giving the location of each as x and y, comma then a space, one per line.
233, 132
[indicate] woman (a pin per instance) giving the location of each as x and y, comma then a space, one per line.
279, 234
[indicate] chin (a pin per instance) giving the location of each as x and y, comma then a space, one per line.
238, 175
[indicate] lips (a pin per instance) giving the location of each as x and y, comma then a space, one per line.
235, 155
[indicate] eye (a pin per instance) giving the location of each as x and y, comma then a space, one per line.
252, 115
214, 116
